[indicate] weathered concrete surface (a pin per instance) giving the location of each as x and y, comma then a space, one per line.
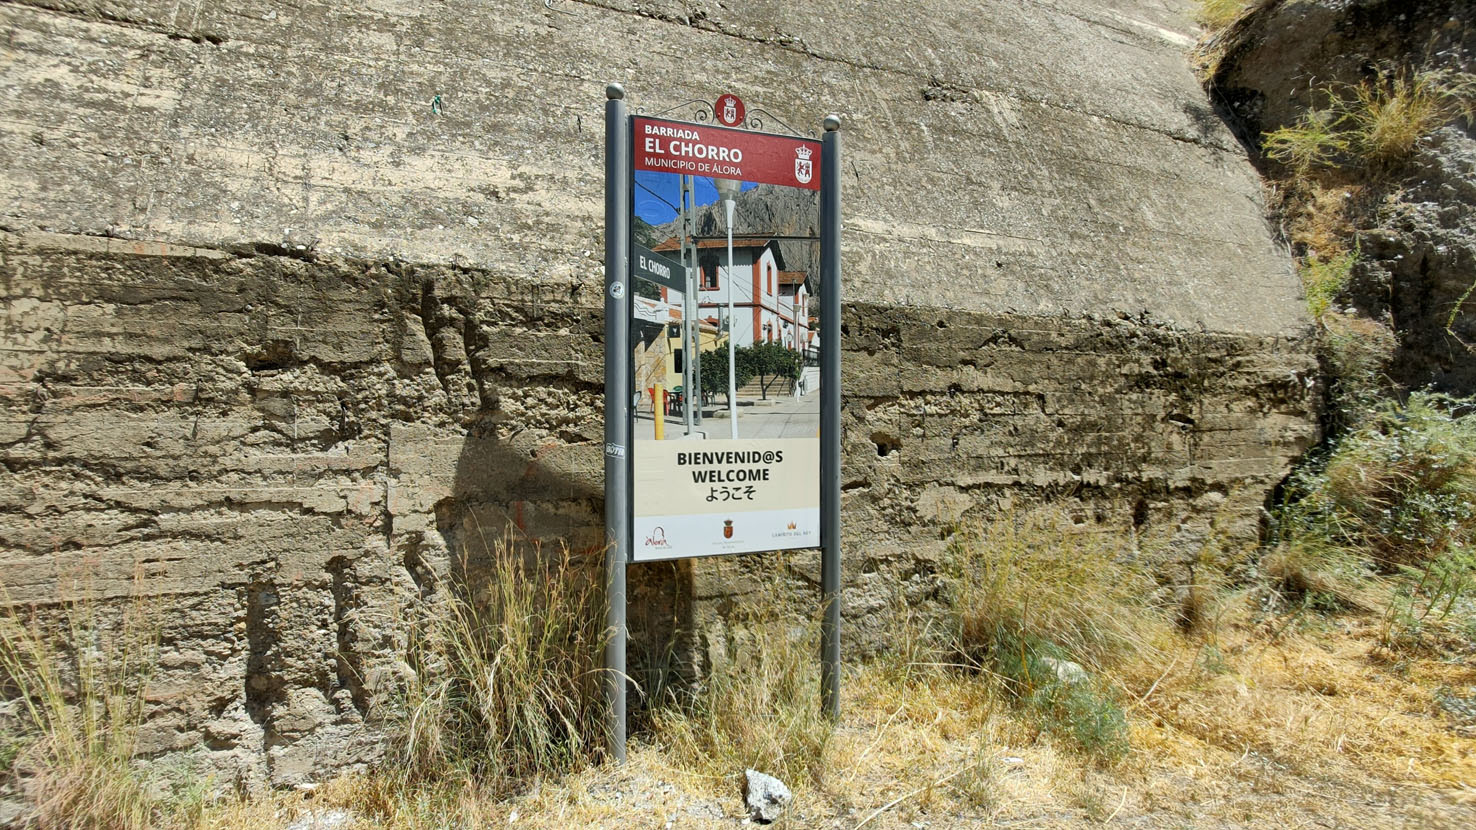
281, 339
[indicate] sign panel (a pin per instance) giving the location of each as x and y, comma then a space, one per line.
725, 496
703, 150
737, 468
650, 266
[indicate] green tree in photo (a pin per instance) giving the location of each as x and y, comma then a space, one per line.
715, 371
770, 362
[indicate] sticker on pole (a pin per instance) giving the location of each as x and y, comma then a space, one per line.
732, 465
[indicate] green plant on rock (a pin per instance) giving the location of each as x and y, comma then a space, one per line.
1323, 279
1038, 675
1316, 139
1032, 591
1394, 500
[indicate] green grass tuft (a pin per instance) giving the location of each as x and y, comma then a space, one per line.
1316, 139
758, 706
1391, 507
1031, 590
506, 674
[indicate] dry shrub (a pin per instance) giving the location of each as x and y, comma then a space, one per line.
1036, 578
759, 707
1392, 112
1031, 591
80, 689
507, 674
1320, 217
1376, 122
1217, 14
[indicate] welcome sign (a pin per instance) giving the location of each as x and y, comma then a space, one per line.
696, 489
739, 496
697, 461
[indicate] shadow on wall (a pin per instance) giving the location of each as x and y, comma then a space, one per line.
504, 493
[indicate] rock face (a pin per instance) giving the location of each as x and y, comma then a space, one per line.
1416, 222
302, 304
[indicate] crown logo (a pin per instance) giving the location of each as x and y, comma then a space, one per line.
803, 152
791, 525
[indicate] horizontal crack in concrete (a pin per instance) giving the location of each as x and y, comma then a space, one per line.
109, 18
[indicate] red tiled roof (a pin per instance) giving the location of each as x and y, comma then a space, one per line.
739, 241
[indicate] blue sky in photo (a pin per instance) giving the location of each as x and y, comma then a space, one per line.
658, 194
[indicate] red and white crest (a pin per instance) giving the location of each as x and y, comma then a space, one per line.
729, 110
804, 169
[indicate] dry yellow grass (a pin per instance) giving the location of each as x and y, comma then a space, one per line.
1323, 704
1309, 728
1252, 721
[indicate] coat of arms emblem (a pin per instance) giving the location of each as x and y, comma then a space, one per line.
729, 110
804, 169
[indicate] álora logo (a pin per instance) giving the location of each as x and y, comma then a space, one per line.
804, 169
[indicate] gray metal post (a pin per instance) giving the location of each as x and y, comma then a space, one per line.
617, 405
830, 414
689, 313
689, 209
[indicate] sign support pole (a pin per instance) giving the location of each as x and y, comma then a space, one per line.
830, 415
617, 407
693, 343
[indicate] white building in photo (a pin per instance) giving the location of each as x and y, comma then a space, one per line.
770, 304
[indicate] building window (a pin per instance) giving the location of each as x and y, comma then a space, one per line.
709, 268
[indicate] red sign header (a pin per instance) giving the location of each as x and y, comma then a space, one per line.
702, 150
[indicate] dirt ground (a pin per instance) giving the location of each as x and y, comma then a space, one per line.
1309, 727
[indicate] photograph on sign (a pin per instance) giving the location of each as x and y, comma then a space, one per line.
724, 260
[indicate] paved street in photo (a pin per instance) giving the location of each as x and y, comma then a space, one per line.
778, 417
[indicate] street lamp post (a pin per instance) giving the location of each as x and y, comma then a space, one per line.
728, 190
